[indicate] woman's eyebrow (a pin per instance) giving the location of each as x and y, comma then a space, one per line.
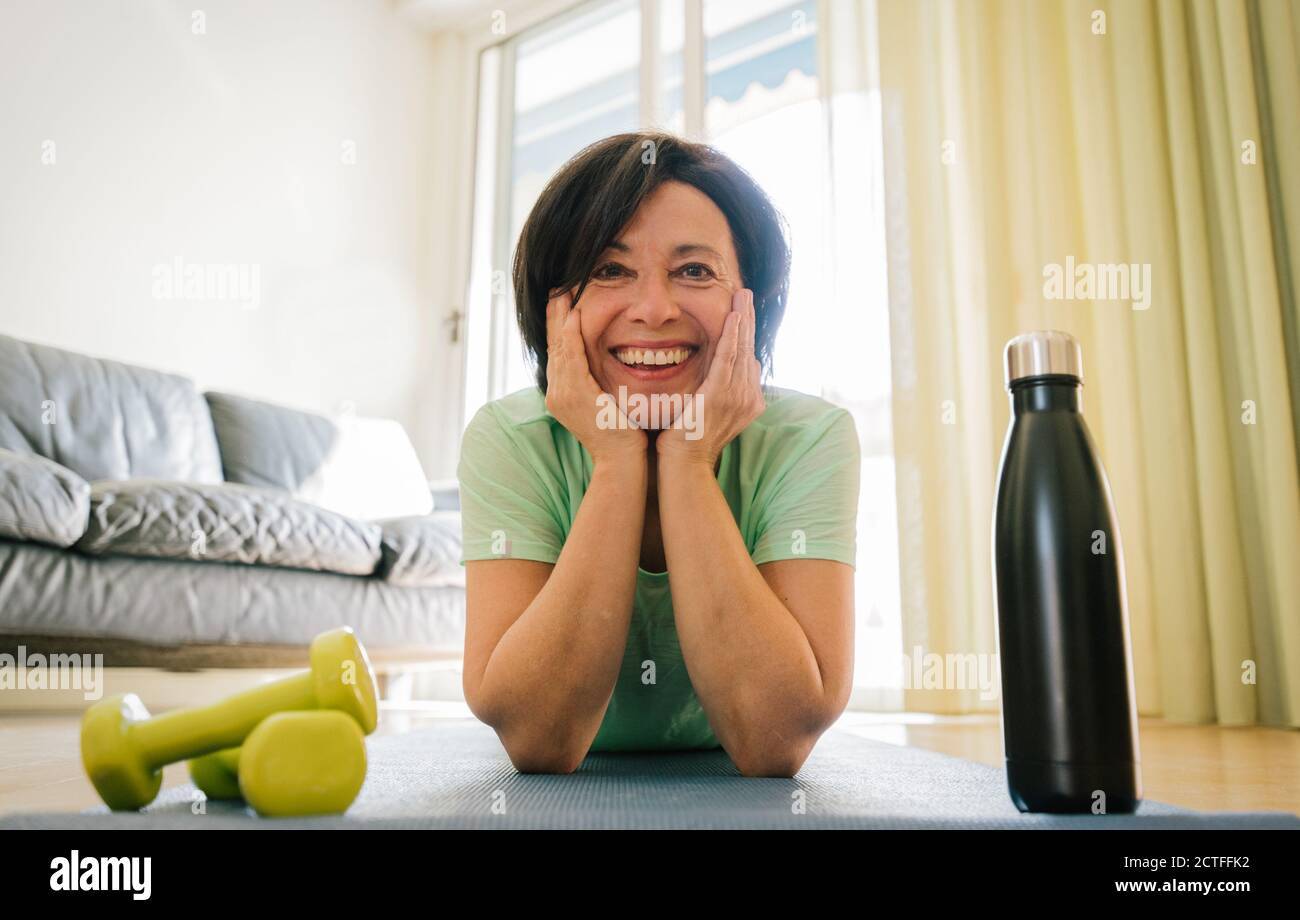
681, 249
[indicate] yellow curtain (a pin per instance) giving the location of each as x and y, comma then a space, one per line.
1023, 134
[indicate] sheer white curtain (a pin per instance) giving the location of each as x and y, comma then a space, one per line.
1161, 135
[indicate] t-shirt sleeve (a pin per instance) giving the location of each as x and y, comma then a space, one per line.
507, 508
812, 511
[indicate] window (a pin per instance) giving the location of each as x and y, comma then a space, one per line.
743, 76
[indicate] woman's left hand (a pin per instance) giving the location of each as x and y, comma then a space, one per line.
730, 398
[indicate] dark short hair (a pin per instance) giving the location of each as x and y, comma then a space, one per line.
594, 196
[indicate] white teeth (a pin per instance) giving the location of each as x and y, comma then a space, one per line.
647, 357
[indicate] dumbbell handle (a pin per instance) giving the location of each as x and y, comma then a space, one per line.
185, 733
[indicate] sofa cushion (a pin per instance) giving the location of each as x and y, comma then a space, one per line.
225, 523
176, 602
362, 467
422, 551
266, 445
40, 500
103, 419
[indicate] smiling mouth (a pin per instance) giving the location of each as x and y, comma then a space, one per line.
653, 358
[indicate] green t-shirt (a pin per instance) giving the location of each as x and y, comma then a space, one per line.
790, 478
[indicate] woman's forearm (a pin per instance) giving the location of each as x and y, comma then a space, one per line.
551, 675
749, 660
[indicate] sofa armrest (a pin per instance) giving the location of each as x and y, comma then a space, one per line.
41, 501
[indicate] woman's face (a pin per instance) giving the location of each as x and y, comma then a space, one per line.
653, 310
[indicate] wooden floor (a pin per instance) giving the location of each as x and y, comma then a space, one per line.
1202, 767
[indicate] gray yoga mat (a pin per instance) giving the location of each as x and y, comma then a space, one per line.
457, 775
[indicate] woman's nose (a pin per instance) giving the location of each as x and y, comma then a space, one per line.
653, 303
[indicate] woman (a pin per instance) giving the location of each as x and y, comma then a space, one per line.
643, 580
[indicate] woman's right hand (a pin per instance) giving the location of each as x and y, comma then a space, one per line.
572, 394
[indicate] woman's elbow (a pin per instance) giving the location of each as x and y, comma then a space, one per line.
781, 751
541, 756
779, 757
534, 753
528, 751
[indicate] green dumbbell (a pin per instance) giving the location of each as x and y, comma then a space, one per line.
303, 763
123, 748
217, 774
293, 763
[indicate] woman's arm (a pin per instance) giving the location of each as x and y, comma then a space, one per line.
543, 643
769, 649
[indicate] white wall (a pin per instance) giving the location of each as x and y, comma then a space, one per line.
228, 147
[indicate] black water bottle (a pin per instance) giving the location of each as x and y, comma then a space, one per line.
1069, 719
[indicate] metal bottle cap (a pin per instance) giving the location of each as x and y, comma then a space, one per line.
1034, 354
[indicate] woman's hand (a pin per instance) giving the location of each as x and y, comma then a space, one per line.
731, 396
572, 394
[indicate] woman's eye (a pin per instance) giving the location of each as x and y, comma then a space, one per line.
696, 271
608, 270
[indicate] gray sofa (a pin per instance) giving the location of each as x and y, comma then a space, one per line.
160, 526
